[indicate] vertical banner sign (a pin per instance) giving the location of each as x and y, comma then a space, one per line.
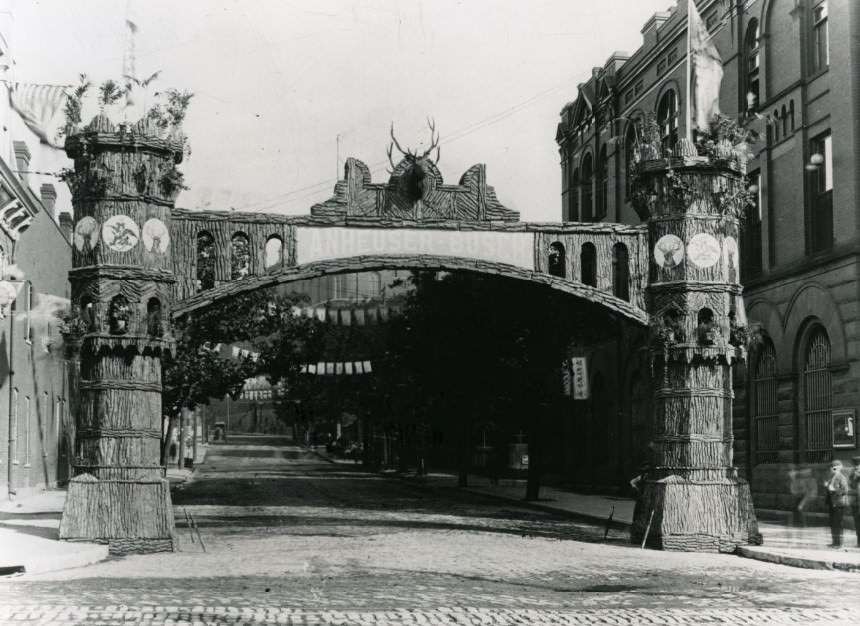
567, 379
580, 378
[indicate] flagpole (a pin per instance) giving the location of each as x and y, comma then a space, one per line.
688, 118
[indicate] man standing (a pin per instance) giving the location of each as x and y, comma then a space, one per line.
854, 494
837, 499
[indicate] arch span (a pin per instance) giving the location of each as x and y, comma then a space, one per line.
407, 262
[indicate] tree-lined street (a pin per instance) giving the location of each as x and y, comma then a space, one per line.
290, 537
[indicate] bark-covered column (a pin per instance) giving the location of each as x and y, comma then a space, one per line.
124, 184
691, 498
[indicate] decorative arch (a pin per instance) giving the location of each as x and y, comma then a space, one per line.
669, 89
813, 301
351, 265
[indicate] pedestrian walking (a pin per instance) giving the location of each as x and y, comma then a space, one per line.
854, 494
837, 500
804, 488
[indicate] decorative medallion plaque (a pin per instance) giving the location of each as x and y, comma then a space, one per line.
156, 238
703, 250
669, 251
86, 233
120, 233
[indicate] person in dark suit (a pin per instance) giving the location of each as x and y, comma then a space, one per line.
837, 500
854, 494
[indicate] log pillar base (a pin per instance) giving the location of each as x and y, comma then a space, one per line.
695, 516
132, 517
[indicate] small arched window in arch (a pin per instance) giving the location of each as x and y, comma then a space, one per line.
620, 271
374, 285
667, 118
154, 327
818, 398
751, 49
88, 315
629, 157
707, 327
784, 118
119, 315
274, 252
586, 189
556, 265
791, 115
603, 184
206, 258
240, 257
588, 264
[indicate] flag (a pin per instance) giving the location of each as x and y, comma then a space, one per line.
706, 70
37, 105
579, 369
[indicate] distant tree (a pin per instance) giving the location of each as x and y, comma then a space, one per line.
196, 372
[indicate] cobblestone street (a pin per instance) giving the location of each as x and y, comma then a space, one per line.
292, 538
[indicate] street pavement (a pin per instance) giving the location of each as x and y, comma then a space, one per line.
288, 537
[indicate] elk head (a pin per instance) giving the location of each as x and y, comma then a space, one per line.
413, 181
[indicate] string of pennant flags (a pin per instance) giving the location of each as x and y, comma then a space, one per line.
352, 316
321, 368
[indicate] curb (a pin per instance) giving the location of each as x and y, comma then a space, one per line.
795, 561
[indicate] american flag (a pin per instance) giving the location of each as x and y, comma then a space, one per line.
37, 105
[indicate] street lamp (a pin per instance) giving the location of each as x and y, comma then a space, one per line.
815, 161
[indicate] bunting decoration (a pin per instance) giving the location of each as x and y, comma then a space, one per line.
37, 105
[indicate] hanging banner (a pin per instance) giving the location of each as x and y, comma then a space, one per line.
579, 368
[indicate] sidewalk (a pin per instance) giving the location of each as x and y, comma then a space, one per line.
782, 544
29, 533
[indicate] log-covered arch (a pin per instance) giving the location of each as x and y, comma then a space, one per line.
408, 262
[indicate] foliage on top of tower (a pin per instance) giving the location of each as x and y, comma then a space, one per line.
162, 119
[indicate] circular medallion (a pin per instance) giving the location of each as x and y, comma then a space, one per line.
703, 250
120, 233
155, 236
86, 234
669, 251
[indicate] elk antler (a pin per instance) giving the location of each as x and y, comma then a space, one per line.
434, 140
406, 153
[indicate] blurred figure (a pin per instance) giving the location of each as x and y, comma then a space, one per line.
837, 500
854, 494
804, 489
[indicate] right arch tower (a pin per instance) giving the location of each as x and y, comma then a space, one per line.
691, 497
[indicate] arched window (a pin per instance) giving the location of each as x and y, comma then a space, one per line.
240, 257
820, 56
573, 197
765, 411
783, 116
206, 254
119, 315
751, 49
602, 184
667, 118
586, 187
556, 262
629, 157
274, 252
620, 272
588, 264
818, 398
154, 326
707, 328
374, 285
88, 315
791, 115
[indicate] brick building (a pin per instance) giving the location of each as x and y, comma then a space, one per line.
791, 74
35, 402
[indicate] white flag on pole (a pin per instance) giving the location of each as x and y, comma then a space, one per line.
37, 105
707, 70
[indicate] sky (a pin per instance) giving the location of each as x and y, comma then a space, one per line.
285, 90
